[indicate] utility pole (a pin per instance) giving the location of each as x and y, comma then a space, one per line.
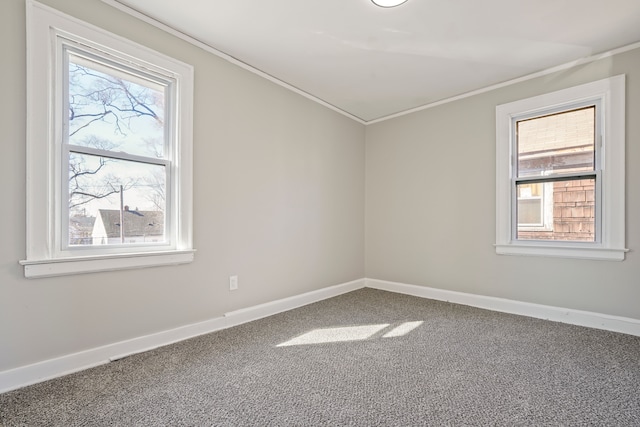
121, 215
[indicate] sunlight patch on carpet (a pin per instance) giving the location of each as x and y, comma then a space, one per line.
350, 333
327, 335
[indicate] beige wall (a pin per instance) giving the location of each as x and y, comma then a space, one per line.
278, 200
430, 204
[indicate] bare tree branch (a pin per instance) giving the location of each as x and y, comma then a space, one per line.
96, 97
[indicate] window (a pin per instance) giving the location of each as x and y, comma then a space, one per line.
108, 150
560, 173
530, 208
555, 155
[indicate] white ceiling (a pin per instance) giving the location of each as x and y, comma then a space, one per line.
372, 62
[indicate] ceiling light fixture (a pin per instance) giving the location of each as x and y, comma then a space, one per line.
388, 3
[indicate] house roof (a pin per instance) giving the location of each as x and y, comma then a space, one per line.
83, 224
136, 223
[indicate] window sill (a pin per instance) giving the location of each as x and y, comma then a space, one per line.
565, 251
79, 265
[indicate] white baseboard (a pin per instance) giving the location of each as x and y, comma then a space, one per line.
48, 369
589, 319
30, 374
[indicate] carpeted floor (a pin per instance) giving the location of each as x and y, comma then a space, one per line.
366, 358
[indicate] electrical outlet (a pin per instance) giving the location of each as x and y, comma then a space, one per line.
233, 283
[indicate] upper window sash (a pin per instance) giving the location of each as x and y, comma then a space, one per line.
558, 110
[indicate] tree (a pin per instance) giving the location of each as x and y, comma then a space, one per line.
87, 178
96, 96
108, 113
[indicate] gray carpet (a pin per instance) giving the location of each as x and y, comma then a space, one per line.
461, 366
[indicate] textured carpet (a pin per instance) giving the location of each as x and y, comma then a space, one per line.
365, 358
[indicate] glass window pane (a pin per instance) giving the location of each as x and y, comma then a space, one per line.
530, 212
558, 143
565, 211
105, 193
115, 110
530, 204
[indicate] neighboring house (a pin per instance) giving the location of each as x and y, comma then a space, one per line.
139, 226
80, 230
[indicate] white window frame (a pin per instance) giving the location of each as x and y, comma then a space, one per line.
609, 94
48, 31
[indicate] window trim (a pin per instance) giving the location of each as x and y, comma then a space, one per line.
610, 92
45, 27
